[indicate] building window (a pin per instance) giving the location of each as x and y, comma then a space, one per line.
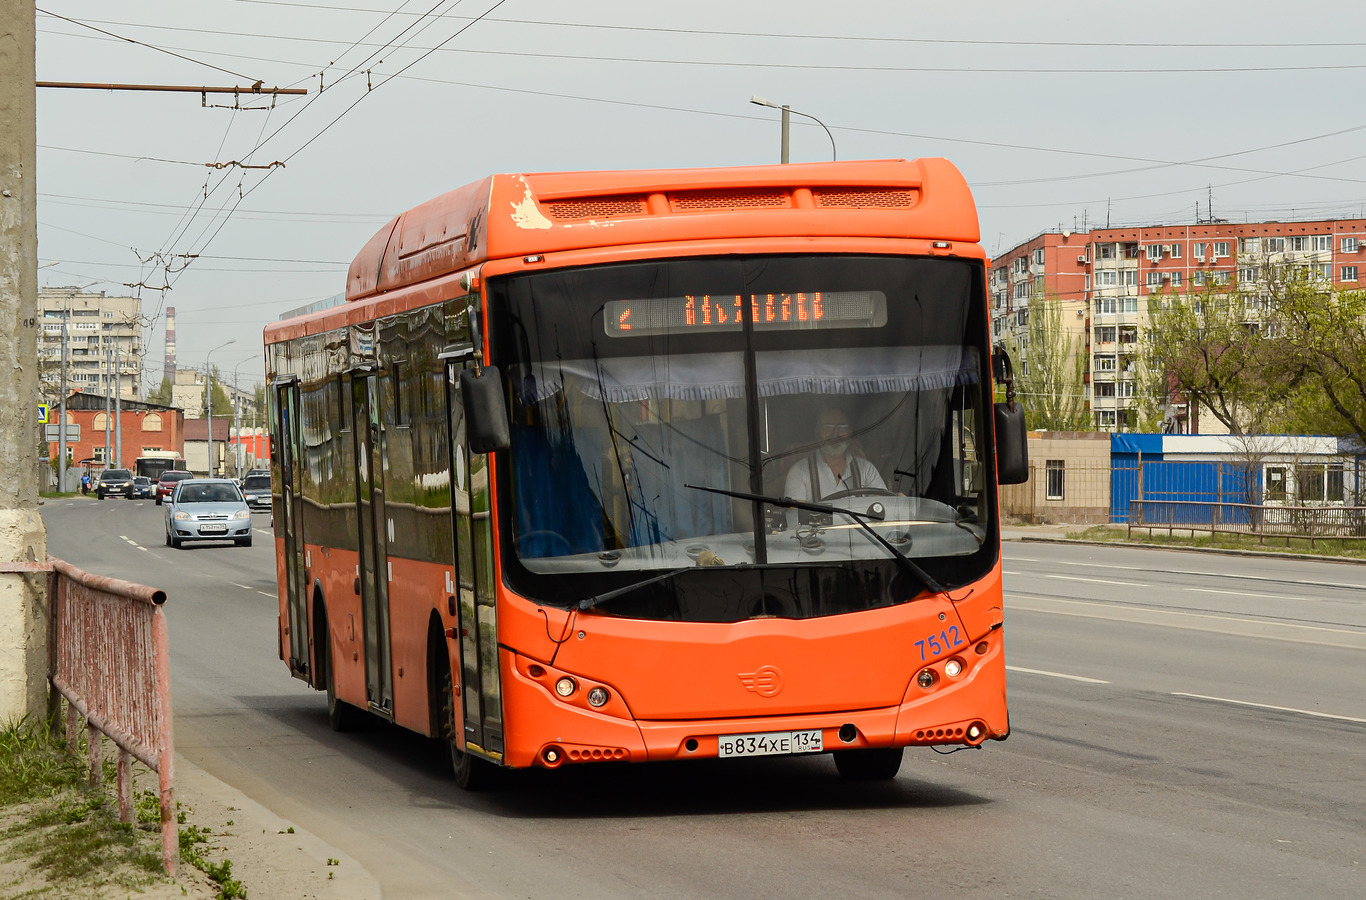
1129, 278
1105, 251
1106, 418
97, 454
1322, 271
1220, 249
1198, 249
152, 422
1275, 483
1105, 362
1249, 274
1038, 257
1128, 304
1220, 277
1154, 279
1154, 252
1323, 242
1349, 245
1105, 334
1176, 251
1336, 491
101, 422
1349, 273
1088, 281
1105, 306
1249, 245
1107, 278
1124, 389
1104, 389
1128, 334
1299, 243
1176, 279
1057, 479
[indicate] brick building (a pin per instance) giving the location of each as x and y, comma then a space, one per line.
144, 427
1120, 268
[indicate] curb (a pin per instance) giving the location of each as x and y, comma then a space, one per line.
1262, 554
269, 860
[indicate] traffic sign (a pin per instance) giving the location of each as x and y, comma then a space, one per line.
43, 409
54, 433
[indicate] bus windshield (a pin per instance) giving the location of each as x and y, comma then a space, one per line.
850, 382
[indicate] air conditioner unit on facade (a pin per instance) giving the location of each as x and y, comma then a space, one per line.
1081, 258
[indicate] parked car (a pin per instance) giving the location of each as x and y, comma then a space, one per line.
141, 488
256, 489
167, 482
113, 481
207, 509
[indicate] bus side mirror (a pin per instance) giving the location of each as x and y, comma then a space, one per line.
1012, 444
486, 416
1012, 440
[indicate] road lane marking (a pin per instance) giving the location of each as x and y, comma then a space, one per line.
1244, 594
1098, 581
1227, 626
265, 594
1055, 675
1204, 574
1289, 709
245, 587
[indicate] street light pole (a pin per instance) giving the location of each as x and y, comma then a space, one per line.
787, 112
61, 408
208, 397
236, 429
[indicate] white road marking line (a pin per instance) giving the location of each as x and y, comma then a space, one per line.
1242, 594
1055, 675
265, 594
1098, 581
1289, 709
245, 587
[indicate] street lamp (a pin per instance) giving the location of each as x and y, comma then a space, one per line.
208, 397
787, 111
236, 429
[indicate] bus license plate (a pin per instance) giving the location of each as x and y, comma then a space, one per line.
774, 743
213, 529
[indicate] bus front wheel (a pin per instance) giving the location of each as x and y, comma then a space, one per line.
876, 764
471, 773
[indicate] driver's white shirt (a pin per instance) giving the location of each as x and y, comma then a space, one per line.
798, 485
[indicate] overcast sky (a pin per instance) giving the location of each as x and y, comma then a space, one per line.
1060, 114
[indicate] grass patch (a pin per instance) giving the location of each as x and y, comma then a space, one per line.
67, 832
1222, 541
61, 838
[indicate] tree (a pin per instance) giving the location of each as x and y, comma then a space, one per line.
161, 394
222, 403
1319, 337
1204, 345
1049, 370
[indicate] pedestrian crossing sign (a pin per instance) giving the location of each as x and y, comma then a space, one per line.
42, 413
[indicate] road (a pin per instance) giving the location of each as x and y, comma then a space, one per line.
1183, 725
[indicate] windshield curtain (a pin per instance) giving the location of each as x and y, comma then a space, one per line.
636, 386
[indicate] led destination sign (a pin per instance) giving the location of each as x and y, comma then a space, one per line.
769, 312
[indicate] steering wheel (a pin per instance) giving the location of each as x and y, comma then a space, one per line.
858, 492
557, 540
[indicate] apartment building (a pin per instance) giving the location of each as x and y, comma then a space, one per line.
103, 342
1120, 268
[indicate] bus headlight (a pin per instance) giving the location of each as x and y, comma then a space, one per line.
953, 668
566, 686
597, 697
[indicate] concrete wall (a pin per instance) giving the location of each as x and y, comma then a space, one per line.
1084, 480
23, 633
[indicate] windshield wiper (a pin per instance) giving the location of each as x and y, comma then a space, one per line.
597, 599
859, 517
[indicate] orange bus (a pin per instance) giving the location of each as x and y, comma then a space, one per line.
654, 465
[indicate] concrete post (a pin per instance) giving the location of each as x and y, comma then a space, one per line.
23, 597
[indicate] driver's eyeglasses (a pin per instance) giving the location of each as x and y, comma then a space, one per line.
836, 429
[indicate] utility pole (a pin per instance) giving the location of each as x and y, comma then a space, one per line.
118, 407
23, 539
61, 406
107, 412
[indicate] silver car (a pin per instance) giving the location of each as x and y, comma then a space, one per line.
207, 509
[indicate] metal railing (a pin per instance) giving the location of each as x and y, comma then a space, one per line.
1311, 523
109, 656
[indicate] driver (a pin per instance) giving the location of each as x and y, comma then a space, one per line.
832, 467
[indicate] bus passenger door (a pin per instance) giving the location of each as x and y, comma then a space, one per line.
371, 534
286, 443
481, 703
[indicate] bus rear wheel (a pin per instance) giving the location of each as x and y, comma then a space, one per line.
876, 764
471, 772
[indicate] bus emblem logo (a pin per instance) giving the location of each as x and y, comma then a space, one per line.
766, 681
